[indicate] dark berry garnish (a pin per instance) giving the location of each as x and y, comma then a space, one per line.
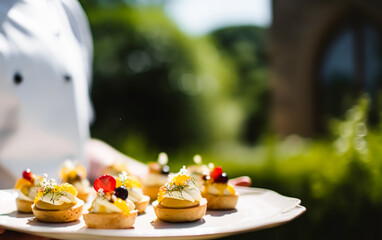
74, 179
216, 172
27, 174
121, 192
106, 182
222, 178
206, 177
165, 169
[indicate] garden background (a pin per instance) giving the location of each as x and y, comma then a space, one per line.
158, 89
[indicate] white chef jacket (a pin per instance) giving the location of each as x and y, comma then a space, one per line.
45, 71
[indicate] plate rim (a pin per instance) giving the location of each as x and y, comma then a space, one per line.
274, 220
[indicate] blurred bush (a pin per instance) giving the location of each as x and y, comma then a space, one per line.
339, 180
247, 49
156, 89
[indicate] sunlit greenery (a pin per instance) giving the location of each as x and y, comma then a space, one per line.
156, 89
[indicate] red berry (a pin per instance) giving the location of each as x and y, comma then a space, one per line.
216, 172
222, 178
27, 174
106, 182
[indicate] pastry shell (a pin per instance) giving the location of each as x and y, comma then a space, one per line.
151, 191
141, 206
24, 206
224, 202
180, 214
110, 220
67, 215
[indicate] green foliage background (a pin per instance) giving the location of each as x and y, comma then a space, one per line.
156, 89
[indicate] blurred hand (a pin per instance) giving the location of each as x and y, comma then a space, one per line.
243, 181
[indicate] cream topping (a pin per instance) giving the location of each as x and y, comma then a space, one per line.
103, 205
82, 186
32, 193
214, 191
190, 193
64, 197
182, 187
135, 194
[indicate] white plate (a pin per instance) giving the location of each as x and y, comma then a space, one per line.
256, 209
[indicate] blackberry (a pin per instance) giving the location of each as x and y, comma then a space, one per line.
121, 192
222, 178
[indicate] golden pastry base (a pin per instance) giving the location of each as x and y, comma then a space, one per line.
224, 202
151, 191
141, 206
53, 216
110, 220
180, 214
83, 195
24, 206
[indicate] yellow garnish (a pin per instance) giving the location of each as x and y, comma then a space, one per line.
118, 183
231, 189
22, 182
66, 187
180, 179
129, 182
162, 192
39, 195
102, 209
221, 187
71, 173
121, 204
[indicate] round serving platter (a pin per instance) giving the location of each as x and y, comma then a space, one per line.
256, 209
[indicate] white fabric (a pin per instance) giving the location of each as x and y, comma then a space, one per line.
45, 118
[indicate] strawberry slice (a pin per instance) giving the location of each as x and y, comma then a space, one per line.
106, 182
216, 172
27, 174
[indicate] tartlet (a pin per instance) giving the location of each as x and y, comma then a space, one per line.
116, 168
199, 170
134, 189
180, 200
157, 176
75, 174
57, 202
219, 193
27, 187
111, 209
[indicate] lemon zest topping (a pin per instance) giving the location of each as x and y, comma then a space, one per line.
121, 204
231, 189
128, 181
162, 192
22, 182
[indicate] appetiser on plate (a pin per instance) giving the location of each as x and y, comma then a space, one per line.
134, 189
180, 200
157, 176
57, 202
199, 170
116, 168
111, 209
27, 187
219, 193
75, 174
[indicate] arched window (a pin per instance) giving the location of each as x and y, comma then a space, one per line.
350, 64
